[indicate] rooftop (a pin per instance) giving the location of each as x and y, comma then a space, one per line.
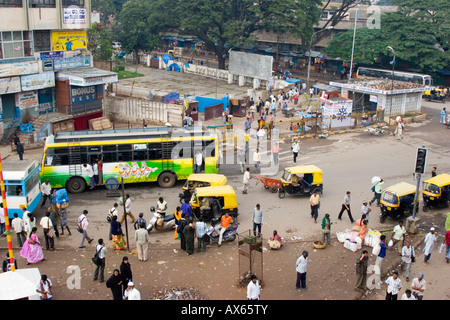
382, 86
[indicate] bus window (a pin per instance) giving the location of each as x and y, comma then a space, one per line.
109, 153
13, 189
154, 151
83, 155
210, 148
61, 156
49, 157
31, 182
124, 152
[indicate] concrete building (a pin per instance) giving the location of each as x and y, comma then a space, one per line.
391, 97
39, 39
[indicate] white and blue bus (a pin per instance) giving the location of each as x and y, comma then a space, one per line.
22, 185
372, 73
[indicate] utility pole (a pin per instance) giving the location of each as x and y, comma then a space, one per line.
125, 213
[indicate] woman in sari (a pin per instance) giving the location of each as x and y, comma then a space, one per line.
363, 231
31, 249
117, 236
177, 215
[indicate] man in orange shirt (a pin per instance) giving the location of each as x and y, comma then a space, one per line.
225, 223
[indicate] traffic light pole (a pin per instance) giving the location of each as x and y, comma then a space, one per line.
419, 169
416, 199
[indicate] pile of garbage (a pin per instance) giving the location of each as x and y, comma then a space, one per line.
178, 294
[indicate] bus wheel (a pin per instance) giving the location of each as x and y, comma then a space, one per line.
166, 180
76, 185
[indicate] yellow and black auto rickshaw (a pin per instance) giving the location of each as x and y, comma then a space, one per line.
200, 180
397, 201
436, 94
301, 180
436, 191
213, 202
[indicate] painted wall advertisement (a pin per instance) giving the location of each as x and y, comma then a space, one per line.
83, 94
69, 40
25, 100
74, 15
38, 81
9, 85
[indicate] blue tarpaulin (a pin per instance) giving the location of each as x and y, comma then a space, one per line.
293, 80
166, 58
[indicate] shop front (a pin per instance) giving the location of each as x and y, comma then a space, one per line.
80, 92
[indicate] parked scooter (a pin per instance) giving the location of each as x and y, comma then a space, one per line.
159, 222
214, 231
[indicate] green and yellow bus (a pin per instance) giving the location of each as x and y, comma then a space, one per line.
163, 154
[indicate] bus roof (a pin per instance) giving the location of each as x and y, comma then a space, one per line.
122, 134
17, 170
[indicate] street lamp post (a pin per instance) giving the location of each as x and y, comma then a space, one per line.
310, 45
392, 82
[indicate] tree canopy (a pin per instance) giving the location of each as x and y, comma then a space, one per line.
418, 31
222, 24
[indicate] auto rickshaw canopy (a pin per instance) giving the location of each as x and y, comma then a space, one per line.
397, 191
306, 169
441, 180
226, 192
212, 179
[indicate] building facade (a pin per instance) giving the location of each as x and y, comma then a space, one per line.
40, 40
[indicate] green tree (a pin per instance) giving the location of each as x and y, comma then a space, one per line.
369, 45
224, 24
418, 31
132, 30
99, 42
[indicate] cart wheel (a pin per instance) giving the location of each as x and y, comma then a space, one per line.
273, 188
266, 187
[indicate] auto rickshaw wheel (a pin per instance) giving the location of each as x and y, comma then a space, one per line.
281, 194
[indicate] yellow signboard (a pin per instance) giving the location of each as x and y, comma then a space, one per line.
69, 40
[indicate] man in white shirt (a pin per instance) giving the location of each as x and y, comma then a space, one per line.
87, 170
429, 241
408, 296
18, 227
83, 224
393, 286
46, 190
295, 149
198, 162
398, 234
44, 287
253, 290
128, 209
407, 253
246, 181
418, 286
300, 267
47, 224
365, 209
257, 159
131, 293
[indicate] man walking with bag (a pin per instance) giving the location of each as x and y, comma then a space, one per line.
100, 251
82, 228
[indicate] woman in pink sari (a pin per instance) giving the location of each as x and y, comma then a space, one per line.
31, 249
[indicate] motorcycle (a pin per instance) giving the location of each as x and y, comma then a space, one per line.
214, 232
159, 222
